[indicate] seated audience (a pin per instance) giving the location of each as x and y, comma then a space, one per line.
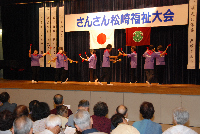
6, 122
83, 104
22, 125
31, 104
83, 122
6, 105
53, 123
100, 122
20, 110
40, 112
58, 100
62, 112
146, 126
180, 116
121, 125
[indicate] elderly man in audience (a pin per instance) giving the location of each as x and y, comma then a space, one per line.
83, 122
4, 98
58, 100
6, 122
180, 116
121, 125
53, 123
22, 125
146, 126
83, 104
20, 111
100, 122
62, 112
40, 112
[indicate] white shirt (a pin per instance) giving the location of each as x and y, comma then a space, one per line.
125, 129
46, 131
179, 129
39, 125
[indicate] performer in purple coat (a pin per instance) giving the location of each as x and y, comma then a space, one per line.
35, 64
60, 64
133, 63
160, 63
92, 65
106, 65
149, 55
66, 66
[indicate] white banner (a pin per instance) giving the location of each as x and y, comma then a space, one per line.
146, 17
192, 34
48, 32
101, 38
53, 36
41, 34
61, 27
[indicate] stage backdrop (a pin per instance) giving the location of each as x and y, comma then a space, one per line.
20, 24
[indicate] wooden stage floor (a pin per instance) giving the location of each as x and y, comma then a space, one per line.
182, 89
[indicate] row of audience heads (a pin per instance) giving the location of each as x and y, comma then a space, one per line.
39, 110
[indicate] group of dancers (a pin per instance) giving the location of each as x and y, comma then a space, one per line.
62, 64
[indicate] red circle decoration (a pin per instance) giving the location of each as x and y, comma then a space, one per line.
101, 38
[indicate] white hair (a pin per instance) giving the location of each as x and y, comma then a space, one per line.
53, 120
22, 125
82, 119
181, 115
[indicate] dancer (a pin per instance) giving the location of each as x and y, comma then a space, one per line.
66, 65
149, 55
133, 63
35, 64
106, 65
60, 57
160, 64
92, 65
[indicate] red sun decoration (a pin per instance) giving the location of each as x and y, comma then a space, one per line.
101, 38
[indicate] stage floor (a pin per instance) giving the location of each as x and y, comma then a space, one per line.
182, 89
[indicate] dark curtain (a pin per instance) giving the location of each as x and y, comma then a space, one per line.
20, 28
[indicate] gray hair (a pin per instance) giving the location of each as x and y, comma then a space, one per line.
53, 120
82, 119
22, 125
181, 115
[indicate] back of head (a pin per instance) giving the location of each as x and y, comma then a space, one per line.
181, 115
82, 119
160, 48
133, 47
20, 110
109, 46
84, 103
32, 103
100, 109
4, 97
53, 121
151, 47
40, 111
147, 110
116, 119
121, 109
6, 120
58, 99
61, 110
22, 125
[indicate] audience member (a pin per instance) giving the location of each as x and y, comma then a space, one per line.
62, 112
121, 125
6, 122
22, 125
20, 110
6, 105
180, 116
40, 112
83, 104
58, 100
100, 122
83, 122
146, 126
53, 123
31, 105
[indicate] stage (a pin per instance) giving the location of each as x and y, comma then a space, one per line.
182, 89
